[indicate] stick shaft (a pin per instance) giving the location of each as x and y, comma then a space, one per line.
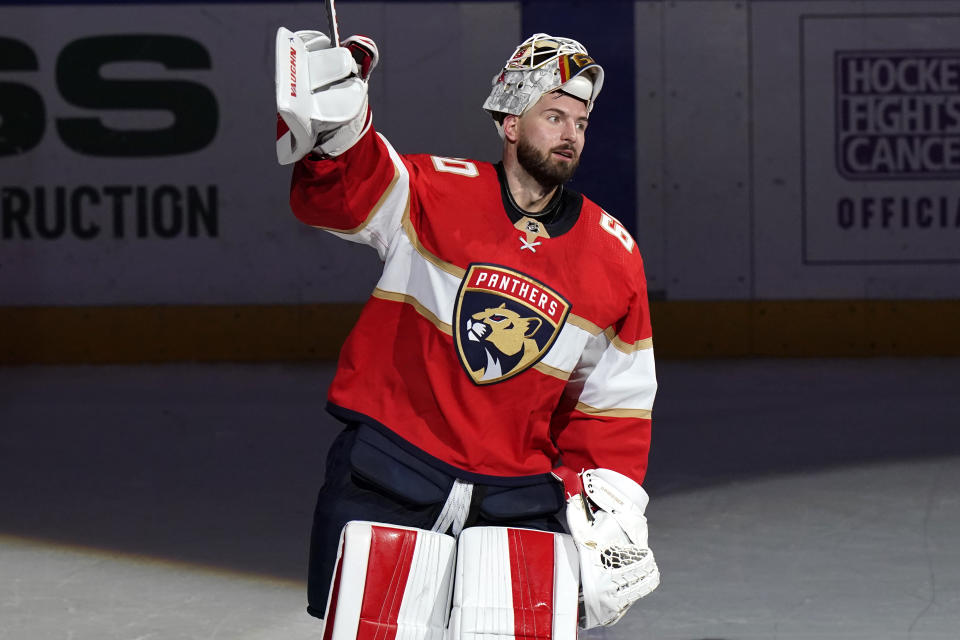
332, 22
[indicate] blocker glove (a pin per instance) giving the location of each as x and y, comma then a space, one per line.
321, 93
616, 566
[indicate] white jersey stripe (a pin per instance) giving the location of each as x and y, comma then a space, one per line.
567, 350
408, 273
621, 381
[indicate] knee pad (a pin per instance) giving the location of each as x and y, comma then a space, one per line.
390, 582
514, 584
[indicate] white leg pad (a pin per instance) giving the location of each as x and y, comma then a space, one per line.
390, 583
514, 584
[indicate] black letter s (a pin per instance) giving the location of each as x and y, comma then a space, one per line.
193, 105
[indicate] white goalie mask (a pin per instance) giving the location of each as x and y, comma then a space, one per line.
541, 64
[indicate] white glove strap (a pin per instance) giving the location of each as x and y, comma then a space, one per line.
333, 142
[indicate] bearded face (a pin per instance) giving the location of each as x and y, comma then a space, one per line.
550, 137
544, 165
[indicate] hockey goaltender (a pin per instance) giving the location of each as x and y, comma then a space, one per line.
497, 389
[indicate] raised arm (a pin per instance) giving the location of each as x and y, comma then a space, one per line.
347, 179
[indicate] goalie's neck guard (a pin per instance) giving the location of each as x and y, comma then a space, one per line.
541, 64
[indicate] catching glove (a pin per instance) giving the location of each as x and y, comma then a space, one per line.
616, 566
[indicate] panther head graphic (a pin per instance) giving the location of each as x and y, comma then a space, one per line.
507, 339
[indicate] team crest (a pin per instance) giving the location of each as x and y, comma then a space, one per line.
504, 322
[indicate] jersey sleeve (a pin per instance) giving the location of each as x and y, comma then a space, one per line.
360, 195
605, 419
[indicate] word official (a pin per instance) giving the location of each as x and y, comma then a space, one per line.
87, 212
899, 212
898, 114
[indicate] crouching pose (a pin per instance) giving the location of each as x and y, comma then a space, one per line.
496, 391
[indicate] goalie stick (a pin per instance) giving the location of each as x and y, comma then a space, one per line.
332, 22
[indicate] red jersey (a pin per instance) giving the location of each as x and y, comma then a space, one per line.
498, 343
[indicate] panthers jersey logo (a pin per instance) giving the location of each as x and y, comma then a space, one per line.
504, 322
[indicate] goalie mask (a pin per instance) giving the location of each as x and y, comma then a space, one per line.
541, 64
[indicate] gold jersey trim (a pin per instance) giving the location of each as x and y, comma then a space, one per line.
374, 211
627, 347
583, 323
614, 413
449, 267
416, 304
546, 369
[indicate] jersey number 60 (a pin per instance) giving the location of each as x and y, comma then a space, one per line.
612, 226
